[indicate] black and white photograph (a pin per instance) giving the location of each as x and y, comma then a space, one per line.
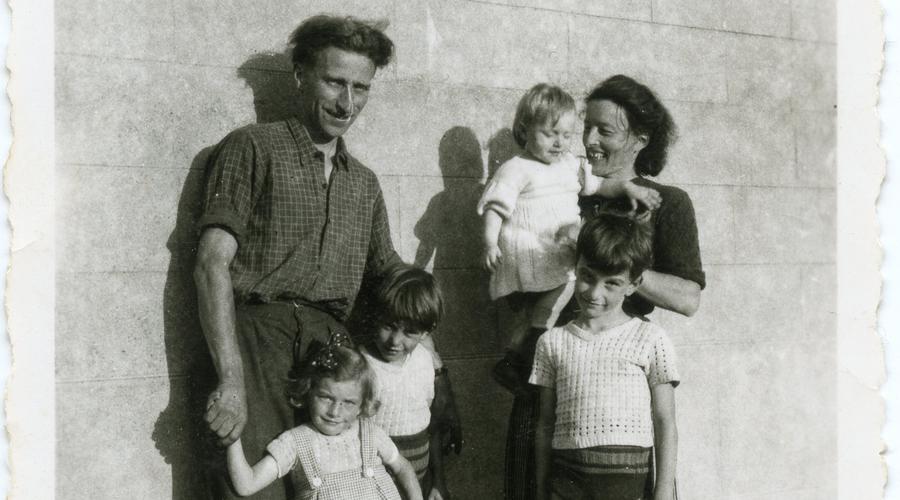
460, 249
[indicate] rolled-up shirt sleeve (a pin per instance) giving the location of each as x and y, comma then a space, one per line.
232, 175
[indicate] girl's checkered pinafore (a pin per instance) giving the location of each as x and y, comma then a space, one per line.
370, 482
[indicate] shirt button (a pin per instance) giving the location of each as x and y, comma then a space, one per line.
370, 472
316, 482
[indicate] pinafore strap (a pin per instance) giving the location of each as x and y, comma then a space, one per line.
371, 481
307, 459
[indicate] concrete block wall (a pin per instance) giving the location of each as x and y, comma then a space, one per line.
144, 89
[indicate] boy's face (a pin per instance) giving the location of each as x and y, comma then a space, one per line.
395, 341
600, 294
548, 142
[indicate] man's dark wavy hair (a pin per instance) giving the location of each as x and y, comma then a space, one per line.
348, 33
646, 115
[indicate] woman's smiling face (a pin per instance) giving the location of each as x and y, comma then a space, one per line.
610, 144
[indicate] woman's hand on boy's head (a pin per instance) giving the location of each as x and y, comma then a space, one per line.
226, 412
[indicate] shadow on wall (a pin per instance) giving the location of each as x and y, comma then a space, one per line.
450, 229
180, 434
270, 76
450, 233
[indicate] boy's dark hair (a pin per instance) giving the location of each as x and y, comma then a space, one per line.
344, 363
612, 244
541, 104
408, 297
646, 115
320, 32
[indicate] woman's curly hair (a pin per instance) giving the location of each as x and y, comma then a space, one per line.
646, 116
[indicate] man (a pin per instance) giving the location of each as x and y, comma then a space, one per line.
290, 225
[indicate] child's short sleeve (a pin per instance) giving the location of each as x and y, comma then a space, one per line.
662, 365
543, 373
502, 192
284, 450
385, 447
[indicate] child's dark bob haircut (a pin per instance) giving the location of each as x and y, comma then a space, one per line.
340, 364
409, 297
613, 244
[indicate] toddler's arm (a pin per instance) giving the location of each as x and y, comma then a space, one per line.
615, 188
247, 480
406, 477
665, 440
543, 440
492, 254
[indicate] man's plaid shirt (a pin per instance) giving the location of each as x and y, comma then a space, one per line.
297, 237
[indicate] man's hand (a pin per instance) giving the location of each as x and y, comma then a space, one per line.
226, 412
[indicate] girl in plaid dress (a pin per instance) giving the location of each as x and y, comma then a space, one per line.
338, 453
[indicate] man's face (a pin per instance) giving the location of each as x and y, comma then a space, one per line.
333, 91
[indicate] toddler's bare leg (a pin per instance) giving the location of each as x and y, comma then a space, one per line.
549, 304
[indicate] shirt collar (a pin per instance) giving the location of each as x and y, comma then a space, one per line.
308, 149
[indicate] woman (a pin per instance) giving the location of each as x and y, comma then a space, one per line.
627, 133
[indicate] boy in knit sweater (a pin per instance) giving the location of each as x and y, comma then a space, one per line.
606, 380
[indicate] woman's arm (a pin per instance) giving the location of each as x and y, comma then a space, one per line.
248, 480
665, 440
543, 440
406, 477
670, 292
677, 276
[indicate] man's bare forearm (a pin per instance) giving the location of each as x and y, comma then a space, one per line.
215, 297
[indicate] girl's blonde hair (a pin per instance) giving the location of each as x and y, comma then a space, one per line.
339, 362
541, 104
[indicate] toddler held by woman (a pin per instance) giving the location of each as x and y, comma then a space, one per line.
531, 217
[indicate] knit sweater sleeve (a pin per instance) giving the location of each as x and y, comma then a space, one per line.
662, 365
502, 192
544, 371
